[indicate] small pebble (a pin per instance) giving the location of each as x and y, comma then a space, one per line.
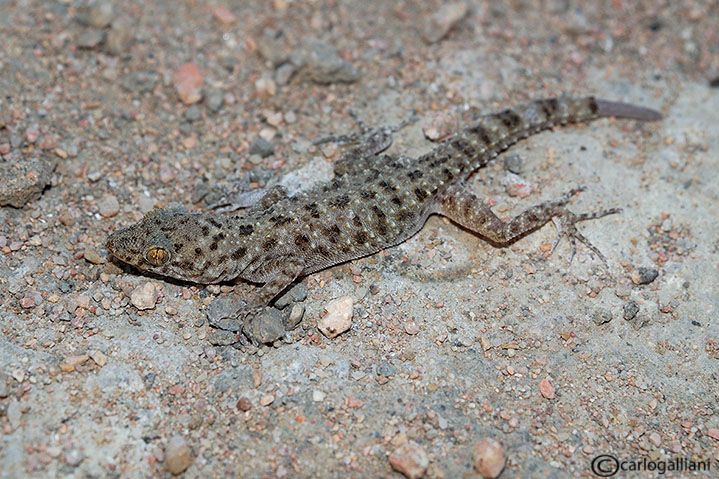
244, 404
410, 460
261, 147
438, 126
513, 164
265, 86
630, 310
14, 413
74, 457
443, 20
546, 388
517, 186
643, 275
411, 328
489, 458
188, 83
178, 455
326, 66
318, 396
267, 399
101, 14
93, 256
295, 317
144, 296
224, 15
109, 206
99, 358
193, 113
90, 39
214, 100
338, 318
119, 38
4, 389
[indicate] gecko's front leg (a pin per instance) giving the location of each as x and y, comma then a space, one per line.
256, 319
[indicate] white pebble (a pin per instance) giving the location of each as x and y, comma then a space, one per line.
338, 318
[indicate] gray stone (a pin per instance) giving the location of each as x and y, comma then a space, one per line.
325, 66
101, 14
193, 113
295, 294
265, 327
24, 180
601, 316
119, 39
386, 369
630, 310
90, 38
214, 100
646, 275
261, 147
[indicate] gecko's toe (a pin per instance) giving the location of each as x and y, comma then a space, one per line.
566, 226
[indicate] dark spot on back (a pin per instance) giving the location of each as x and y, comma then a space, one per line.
205, 231
333, 233
198, 251
448, 174
386, 185
357, 221
482, 134
177, 247
238, 253
245, 230
213, 246
322, 250
420, 194
368, 194
463, 146
415, 174
312, 208
509, 119
214, 222
340, 201
360, 237
219, 236
396, 201
302, 241
269, 244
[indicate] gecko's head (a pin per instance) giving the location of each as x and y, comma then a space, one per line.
181, 245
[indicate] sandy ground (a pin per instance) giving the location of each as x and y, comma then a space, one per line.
453, 341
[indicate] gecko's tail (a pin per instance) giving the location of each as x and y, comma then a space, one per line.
625, 110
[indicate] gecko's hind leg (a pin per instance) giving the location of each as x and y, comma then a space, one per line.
464, 208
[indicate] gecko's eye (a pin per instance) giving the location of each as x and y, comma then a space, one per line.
157, 256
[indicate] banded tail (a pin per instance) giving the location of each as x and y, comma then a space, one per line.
475, 146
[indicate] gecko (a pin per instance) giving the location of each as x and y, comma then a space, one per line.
374, 202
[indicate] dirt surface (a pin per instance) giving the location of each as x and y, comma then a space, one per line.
109, 110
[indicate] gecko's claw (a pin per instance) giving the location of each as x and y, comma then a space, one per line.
566, 222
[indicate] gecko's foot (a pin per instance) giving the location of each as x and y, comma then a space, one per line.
566, 222
371, 140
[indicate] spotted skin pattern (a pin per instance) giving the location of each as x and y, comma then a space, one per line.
375, 201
